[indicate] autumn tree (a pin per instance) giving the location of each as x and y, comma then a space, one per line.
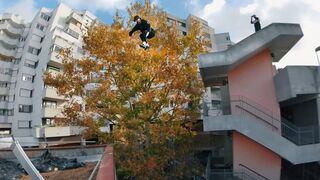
152, 97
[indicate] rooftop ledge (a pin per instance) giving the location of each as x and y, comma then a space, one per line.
279, 38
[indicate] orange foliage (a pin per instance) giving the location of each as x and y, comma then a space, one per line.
143, 93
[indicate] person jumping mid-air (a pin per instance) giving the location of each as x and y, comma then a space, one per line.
146, 31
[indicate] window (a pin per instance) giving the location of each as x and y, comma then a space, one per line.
182, 24
34, 51
4, 98
13, 85
72, 33
52, 68
184, 33
12, 98
24, 124
27, 77
56, 48
227, 38
22, 39
6, 112
25, 93
216, 104
17, 61
47, 121
6, 71
49, 104
31, 64
25, 108
4, 84
207, 35
40, 27
10, 112
169, 20
45, 16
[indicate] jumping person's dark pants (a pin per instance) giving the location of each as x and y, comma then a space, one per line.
143, 35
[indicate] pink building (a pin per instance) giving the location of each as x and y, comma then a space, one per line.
252, 139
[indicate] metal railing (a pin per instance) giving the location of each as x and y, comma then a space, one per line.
229, 174
298, 135
252, 173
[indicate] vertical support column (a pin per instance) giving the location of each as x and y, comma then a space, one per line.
25, 161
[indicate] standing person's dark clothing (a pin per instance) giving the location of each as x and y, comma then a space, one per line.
256, 21
145, 28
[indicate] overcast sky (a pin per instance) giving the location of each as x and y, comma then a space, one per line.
231, 16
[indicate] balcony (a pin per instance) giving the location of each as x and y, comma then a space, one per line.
9, 53
3, 120
4, 91
11, 30
53, 72
51, 112
51, 93
55, 60
57, 131
3, 104
61, 42
74, 17
13, 18
5, 77
7, 41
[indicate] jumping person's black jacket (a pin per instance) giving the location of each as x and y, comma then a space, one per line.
143, 26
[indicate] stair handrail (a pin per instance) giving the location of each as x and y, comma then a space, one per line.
261, 109
251, 170
284, 123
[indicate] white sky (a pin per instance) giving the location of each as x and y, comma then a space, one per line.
226, 17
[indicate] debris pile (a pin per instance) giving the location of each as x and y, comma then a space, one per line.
9, 170
47, 163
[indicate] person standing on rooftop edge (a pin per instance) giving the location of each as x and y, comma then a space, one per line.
256, 21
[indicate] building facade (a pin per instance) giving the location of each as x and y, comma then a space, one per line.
268, 123
27, 50
216, 42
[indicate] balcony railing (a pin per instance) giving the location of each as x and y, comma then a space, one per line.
4, 90
10, 42
11, 29
7, 52
52, 112
13, 18
57, 131
298, 135
74, 17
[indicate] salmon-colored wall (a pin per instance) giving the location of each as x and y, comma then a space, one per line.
254, 79
256, 157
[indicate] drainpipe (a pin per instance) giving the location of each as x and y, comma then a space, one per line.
318, 84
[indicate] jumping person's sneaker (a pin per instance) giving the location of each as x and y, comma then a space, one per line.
145, 45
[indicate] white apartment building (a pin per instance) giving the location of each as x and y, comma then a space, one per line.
217, 42
27, 50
